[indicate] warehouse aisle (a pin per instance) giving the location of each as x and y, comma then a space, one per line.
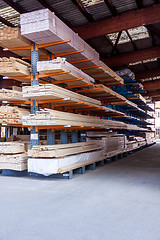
116, 202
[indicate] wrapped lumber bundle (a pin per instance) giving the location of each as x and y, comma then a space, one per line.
50, 91
43, 26
10, 95
61, 65
10, 37
53, 159
13, 156
12, 115
14, 67
110, 143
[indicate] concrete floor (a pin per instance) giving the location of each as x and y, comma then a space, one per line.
120, 201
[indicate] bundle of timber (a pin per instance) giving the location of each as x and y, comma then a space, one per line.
130, 144
14, 67
60, 65
53, 159
50, 91
60, 150
13, 156
10, 37
48, 117
149, 137
12, 115
111, 143
140, 140
10, 95
43, 26
105, 75
106, 94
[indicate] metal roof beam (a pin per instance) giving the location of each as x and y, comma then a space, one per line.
115, 45
147, 74
82, 9
15, 6
150, 85
111, 7
132, 57
139, 4
3, 20
45, 4
152, 94
125, 21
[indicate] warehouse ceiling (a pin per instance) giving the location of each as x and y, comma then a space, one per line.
126, 33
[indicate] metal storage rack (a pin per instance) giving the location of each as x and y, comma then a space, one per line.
35, 78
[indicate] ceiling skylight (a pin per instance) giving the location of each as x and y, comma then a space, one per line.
10, 15
88, 3
135, 33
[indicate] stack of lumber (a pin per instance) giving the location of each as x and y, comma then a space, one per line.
14, 67
51, 92
13, 156
12, 115
140, 140
111, 143
60, 150
48, 117
105, 75
104, 93
130, 144
11, 38
111, 97
10, 95
138, 98
53, 159
61, 65
148, 136
43, 27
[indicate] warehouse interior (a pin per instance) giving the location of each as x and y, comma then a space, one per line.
79, 119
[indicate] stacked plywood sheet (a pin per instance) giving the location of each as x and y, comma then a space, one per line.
111, 143
12, 115
13, 156
52, 159
43, 26
14, 67
12, 38
61, 65
48, 117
